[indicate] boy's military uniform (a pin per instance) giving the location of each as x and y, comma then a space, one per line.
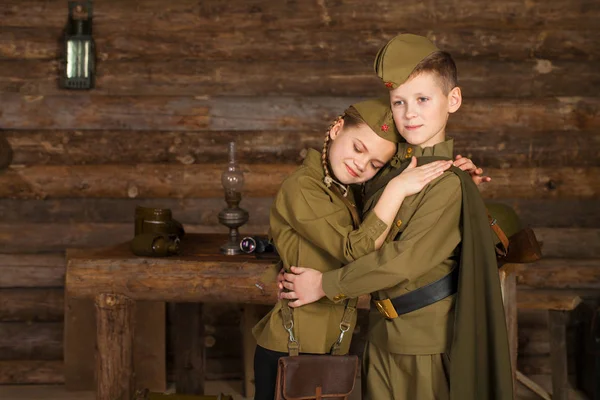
312, 226
456, 347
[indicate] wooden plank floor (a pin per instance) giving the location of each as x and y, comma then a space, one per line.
234, 388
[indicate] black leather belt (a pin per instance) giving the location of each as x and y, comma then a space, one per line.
419, 298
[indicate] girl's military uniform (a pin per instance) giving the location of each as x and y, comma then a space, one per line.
311, 226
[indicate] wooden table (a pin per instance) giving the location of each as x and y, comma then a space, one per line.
116, 279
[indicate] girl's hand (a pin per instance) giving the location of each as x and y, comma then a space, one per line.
467, 165
413, 179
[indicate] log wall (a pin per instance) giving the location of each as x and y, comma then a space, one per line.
176, 82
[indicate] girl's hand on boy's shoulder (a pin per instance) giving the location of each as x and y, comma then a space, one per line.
413, 179
467, 165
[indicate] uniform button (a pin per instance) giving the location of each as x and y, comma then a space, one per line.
399, 223
409, 150
339, 297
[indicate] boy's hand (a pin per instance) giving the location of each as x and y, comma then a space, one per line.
304, 286
467, 165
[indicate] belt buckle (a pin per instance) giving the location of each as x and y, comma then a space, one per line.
386, 308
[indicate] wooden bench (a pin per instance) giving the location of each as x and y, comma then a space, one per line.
558, 303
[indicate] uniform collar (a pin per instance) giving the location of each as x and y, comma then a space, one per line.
313, 161
406, 151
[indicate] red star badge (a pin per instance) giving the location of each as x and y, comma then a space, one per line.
389, 85
385, 127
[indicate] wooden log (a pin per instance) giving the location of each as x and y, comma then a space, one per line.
557, 300
557, 320
114, 357
549, 213
250, 317
535, 341
561, 273
35, 42
185, 113
31, 305
261, 180
80, 341
105, 112
349, 15
479, 78
36, 238
26, 341
193, 211
498, 150
540, 365
59, 147
57, 237
533, 386
51, 372
32, 271
190, 356
556, 213
569, 242
79, 344
194, 282
31, 372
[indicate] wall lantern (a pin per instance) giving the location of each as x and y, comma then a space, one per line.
79, 56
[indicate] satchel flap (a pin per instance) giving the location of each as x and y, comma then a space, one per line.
335, 375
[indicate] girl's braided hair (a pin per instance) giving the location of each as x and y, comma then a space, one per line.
351, 118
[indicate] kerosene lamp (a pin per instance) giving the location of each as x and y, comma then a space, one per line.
232, 216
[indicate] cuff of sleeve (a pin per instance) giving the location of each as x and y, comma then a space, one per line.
331, 286
374, 226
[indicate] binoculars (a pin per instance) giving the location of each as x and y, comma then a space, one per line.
255, 244
157, 234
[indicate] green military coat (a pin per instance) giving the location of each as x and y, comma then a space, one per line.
312, 227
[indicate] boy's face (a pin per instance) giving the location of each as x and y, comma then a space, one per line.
357, 153
421, 109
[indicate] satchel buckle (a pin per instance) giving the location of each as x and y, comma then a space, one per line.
290, 328
344, 327
386, 308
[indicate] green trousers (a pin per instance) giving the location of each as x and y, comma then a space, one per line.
403, 376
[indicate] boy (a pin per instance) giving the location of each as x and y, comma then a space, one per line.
441, 241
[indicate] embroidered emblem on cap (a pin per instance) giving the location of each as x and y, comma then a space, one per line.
385, 127
389, 85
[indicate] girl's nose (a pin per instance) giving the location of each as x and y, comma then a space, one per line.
360, 164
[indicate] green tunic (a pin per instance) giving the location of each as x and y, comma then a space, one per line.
312, 227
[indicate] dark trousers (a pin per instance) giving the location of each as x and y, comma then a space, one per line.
265, 372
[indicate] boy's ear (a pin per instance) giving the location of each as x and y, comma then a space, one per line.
336, 129
454, 100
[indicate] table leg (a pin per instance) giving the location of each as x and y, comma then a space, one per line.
250, 317
189, 348
557, 324
114, 335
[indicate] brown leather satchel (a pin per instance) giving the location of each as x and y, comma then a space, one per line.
315, 377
